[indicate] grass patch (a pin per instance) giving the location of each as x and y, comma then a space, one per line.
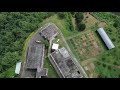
10, 73
51, 71
106, 71
109, 56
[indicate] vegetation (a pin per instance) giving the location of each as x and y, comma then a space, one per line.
107, 71
109, 56
68, 19
14, 29
51, 71
61, 15
79, 17
107, 17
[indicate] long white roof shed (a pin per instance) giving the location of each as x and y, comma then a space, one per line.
105, 38
18, 67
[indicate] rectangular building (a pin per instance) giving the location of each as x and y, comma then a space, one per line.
35, 56
105, 38
64, 65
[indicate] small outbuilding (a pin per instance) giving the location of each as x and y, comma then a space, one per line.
18, 67
55, 46
105, 38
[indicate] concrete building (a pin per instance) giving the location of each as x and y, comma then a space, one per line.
64, 65
105, 38
35, 61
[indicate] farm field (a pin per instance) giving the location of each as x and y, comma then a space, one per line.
98, 62
85, 45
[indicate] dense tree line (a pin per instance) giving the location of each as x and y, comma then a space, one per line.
79, 17
14, 29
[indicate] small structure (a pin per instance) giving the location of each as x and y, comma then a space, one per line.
41, 72
105, 38
55, 46
18, 67
49, 32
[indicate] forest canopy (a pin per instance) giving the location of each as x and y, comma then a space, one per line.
14, 29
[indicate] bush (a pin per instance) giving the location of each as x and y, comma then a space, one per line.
61, 15
81, 27
79, 17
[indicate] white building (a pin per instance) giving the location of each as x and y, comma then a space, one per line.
18, 67
105, 38
55, 46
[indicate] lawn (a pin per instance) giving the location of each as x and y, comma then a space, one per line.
10, 73
51, 71
106, 71
112, 56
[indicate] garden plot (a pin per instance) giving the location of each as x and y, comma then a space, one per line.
84, 46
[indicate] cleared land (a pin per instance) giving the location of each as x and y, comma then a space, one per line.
85, 46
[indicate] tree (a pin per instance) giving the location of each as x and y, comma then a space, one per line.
9, 60
116, 24
79, 17
81, 27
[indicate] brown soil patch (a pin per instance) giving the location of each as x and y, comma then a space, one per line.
102, 24
89, 68
89, 20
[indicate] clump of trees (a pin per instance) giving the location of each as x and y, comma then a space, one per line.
68, 19
14, 29
116, 23
79, 17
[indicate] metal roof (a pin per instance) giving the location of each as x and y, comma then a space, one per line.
105, 38
17, 69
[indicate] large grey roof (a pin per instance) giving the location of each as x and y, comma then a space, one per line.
65, 64
49, 32
35, 56
105, 38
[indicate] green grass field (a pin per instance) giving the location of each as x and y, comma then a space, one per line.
51, 71
111, 57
